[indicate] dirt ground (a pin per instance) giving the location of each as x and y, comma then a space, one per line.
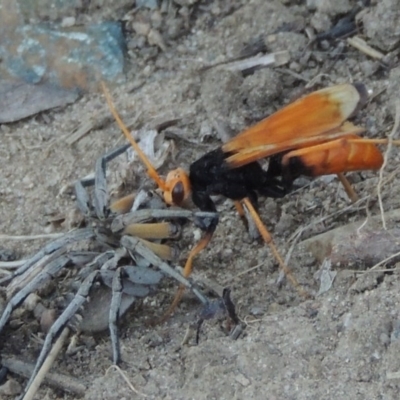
344, 343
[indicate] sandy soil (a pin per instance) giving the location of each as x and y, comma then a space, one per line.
341, 345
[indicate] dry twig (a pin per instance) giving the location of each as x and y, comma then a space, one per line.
125, 378
365, 48
34, 387
58, 381
385, 160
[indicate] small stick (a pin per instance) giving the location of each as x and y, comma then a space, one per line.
247, 271
282, 275
385, 160
55, 380
125, 378
348, 188
44, 369
93, 122
365, 48
274, 59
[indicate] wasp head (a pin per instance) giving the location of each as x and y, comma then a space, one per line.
178, 187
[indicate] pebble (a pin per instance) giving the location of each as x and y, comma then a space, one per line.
141, 28
47, 319
31, 301
68, 22
10, 388
240, 378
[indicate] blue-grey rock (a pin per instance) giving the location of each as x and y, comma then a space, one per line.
20, 99
73, 57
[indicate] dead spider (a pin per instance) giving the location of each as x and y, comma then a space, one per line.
131, 265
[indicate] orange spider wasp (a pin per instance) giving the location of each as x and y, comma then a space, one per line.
310, 136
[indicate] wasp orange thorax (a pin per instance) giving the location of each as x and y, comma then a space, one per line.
178, 187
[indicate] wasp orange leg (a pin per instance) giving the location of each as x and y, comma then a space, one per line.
241, 212
353, 196
269, 241
187, 270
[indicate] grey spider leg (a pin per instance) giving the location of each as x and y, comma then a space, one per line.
77, 302
135, 245
48, 273
22, 280
100, 198
42, 267
77, 258
71, 237
115, 305
95, 264
122, 221
137, 282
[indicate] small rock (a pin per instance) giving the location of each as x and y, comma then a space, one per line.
240, 378
20, 100
381, 24
31, 301
156, 19
39, 310
321, 22
16, 323
325, 276
152, 339
10, 388
350, 247
196, 234
67, 22
47, 320
141, 28
257, 310
155, 39
284, 225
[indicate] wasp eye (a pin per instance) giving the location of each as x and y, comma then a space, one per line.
178, 194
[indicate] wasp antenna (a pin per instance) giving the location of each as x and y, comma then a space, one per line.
150, 169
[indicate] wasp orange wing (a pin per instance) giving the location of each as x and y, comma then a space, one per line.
255, 153
319, 114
